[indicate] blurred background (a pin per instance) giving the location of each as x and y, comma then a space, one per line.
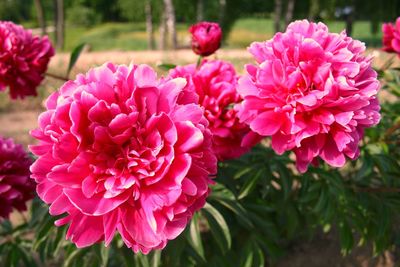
162, 24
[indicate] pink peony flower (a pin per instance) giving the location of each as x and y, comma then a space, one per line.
206, 38
15, 186
391, 37
214, 83
117, 153
313, 91
23, 59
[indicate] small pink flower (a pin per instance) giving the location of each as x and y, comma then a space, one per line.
117, 153
313, 91
214, 83
391, 37
15, 186
23, 59
206, 38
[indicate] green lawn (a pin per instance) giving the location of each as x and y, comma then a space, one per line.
132, 36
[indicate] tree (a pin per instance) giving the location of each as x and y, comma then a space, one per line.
149, 25
163, 31
314, 10
200, 10
171, 22
40, 16
59, 24
277, 15
222, 9
289, 12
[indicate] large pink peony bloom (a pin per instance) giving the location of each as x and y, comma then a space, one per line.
15, 186
23, 59
116, 152
391, 37
215, 85
313, 91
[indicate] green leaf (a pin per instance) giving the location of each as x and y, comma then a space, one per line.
247, 256
195, 236
102, 253
44, 231
238, 209
76, 254
76, 52
250, 184
322, 201
218, 226
142, 260
346, 237
166, 66
285, 179
243, 171
156, 258
259, 259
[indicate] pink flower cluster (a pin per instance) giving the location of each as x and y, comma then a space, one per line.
391, 37
117, 152
16, 188
121, 151
23, 59
313, 91
214, 83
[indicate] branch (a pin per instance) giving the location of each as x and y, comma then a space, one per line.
58, 77
391, 130
376, 189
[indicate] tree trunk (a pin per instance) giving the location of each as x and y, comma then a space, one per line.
171, 22
349, 25
40, 16
200, 10
277, 15
149, 25
163, 32
59, 21
289, 12
314, 10
222, 8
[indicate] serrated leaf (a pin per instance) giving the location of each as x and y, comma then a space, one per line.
76, 52
218, 226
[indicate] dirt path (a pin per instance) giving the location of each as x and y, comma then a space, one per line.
182, 56
18, 124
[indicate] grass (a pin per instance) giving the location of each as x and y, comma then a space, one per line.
247, 30
132, 35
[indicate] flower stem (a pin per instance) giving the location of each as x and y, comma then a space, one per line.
199, 62
55, 76
388, 62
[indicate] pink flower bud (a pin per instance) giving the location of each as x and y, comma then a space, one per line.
206, 38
